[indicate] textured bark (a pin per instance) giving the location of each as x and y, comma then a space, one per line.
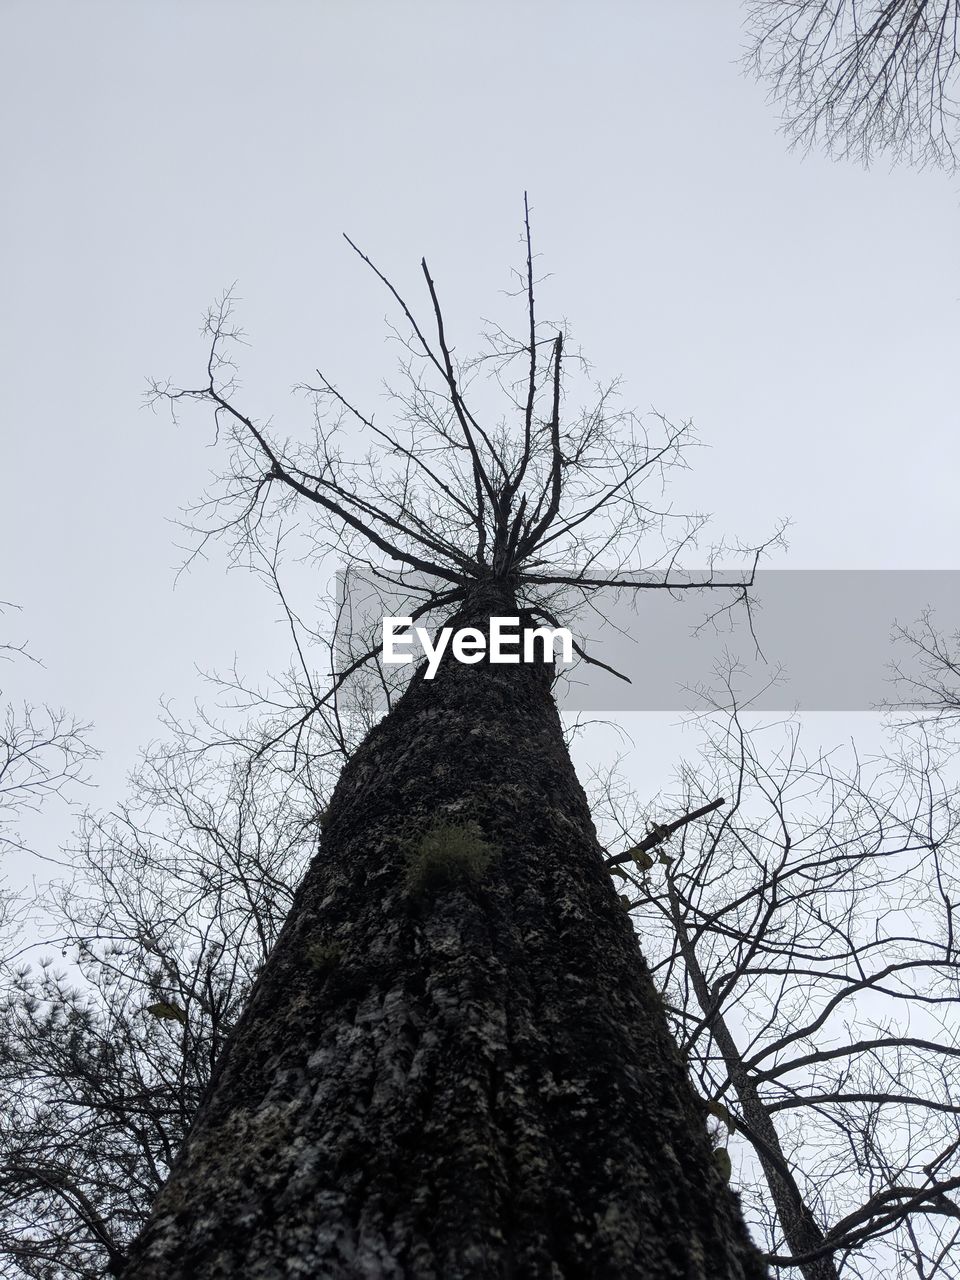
470, 1078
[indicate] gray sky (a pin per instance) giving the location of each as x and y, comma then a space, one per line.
803, 312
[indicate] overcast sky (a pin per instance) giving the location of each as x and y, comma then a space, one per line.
804, 313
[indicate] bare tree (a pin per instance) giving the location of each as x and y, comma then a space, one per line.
173, 905
44, 754
454, 1060
926, 678
862, 77
801, 930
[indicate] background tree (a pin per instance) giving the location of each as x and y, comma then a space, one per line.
44, 753
862, 77
927, 679
802, 934
173, 906
454, 1060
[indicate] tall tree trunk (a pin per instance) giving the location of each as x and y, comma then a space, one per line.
455, 1063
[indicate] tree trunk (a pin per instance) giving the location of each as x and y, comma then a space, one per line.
455, 1063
